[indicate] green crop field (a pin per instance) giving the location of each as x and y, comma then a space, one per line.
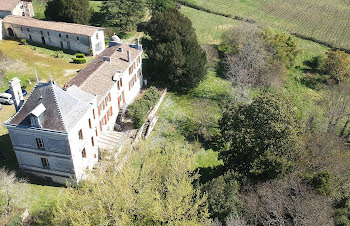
327, 20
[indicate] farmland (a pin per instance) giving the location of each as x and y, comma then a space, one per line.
327, 21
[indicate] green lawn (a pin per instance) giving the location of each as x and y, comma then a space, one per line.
327, 20
21, 62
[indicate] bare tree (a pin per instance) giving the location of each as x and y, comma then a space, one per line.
336, 105
285, 202
10, 187
251, 65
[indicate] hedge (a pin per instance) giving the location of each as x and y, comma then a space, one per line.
79, 55
138, 110
79, 60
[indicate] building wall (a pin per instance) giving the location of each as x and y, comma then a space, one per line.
56, 151
84, 164
129, 96
24, 8
1, 29
78, 43
97, 42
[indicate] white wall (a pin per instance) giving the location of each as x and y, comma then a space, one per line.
56, 150
100, 41
81, 165
52, 38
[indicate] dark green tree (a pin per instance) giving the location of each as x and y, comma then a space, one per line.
158, 6
72, 11
174, 56
122, 14
261, 137
222, 196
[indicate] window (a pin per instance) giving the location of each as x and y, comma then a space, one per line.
48, 33
40, 143
30, 37
83, 153
92, 141
28, 29
34, 121
62, 45
97, 36
118, 85
78, 38
93, 113
66, 36
81, 134
45, 163
90, 123
22, 29
121, 82
96, 133
41, 32
59, 35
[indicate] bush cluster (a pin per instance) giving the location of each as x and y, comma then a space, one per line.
139, 109
79, 58
23, 41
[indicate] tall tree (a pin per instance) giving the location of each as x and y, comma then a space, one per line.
158, 6
261, 136
175, 57
72, 11
123, 14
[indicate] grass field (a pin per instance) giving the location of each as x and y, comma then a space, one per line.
327, 20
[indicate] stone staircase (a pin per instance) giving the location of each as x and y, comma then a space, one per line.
110, 140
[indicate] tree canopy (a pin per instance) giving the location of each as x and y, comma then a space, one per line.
154, 187
122, 14
174, 56
261, 136
337, 64
158, 6
72, 11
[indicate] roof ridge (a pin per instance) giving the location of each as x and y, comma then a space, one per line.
8, 120
57, 105
52, 21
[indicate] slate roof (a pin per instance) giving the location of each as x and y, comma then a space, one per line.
63, 109
71, 28
96, 78
8, 5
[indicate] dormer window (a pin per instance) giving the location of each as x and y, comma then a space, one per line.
34, 122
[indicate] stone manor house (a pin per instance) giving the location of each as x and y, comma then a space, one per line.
55, 132
17, 23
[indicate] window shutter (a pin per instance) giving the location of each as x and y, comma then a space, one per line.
99, 111
111, 110
109, 96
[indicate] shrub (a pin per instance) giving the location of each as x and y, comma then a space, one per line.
58, 54
79, 55
139, 109
23, 41
79, 60
321, 181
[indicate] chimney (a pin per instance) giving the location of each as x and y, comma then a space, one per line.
107, 59
16, 91
120, 49
128, 56
137, 43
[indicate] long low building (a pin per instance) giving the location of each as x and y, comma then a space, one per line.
76, 37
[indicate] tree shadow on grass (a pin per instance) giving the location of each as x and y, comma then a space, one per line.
8, 161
